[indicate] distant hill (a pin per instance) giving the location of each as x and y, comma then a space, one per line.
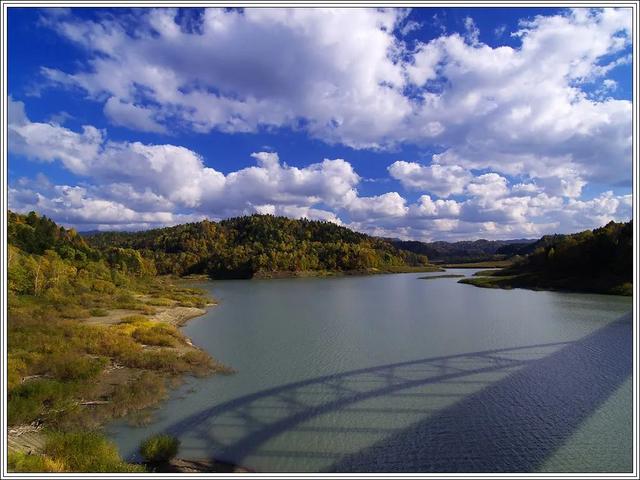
599, 261
466, 251
245, 246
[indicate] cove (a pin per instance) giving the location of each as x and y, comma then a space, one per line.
391, 373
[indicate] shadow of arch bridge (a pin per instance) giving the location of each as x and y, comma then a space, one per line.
500, 410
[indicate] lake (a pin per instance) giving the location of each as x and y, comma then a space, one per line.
394, 373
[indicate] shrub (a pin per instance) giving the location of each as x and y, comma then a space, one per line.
159, 448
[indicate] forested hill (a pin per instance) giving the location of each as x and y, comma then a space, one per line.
599, 260
241, 247
466, 251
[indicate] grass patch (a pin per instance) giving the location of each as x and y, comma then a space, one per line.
134, 319
489, 282
160, 302
158, 335
21, 462
487, 273
87, 452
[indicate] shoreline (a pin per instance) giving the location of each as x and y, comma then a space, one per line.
278, 274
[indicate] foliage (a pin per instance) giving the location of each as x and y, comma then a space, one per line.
159, 448
241, 247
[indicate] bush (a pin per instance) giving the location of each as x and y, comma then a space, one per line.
159, 448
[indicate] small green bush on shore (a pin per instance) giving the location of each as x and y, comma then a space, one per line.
159, 448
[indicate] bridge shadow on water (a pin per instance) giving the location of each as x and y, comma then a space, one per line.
502, 410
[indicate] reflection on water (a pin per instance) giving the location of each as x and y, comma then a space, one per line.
377, 374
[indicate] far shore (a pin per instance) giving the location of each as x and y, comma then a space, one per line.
263, 274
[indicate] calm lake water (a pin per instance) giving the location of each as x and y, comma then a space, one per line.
394, 373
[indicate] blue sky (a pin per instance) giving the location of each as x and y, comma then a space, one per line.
429, 123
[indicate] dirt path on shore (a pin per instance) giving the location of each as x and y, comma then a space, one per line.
174, 315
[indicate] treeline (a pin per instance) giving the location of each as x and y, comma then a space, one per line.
599, 260
241, 247
466, 251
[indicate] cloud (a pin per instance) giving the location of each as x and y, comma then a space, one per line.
499, 31
520, 110
523, 111
250, 69
388, 205
409, 27
521, 130
472, 32
133, 116
75, 206
488, 185
443, 180
172, 178
428, 208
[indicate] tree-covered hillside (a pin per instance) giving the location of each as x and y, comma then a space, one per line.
599, 260
241, 247
466, 251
